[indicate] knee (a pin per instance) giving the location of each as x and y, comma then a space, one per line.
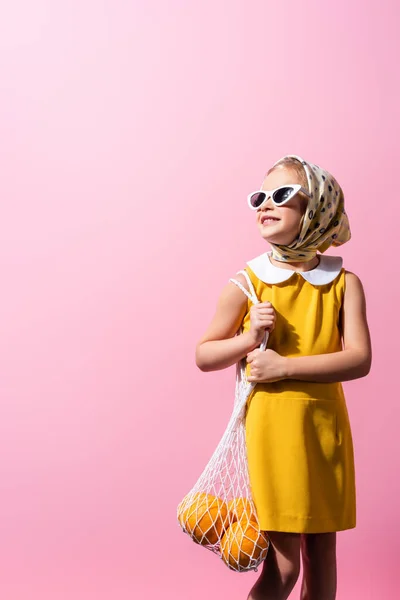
275, 582
285, 557
289, 570
318, 546
291, 576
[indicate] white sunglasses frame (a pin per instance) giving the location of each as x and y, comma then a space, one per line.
269, 194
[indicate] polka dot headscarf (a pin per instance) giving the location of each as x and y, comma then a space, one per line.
325, 221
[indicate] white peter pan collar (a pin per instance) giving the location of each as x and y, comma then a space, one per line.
326, 271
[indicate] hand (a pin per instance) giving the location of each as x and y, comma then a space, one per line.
266, 365
262, 319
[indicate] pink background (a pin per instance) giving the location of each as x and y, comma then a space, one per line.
131, 133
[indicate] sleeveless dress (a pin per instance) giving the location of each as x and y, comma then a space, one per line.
298, 435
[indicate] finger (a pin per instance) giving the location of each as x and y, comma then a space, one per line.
264, 315
264, 311
265, 319
263, 324
253, 353
252, 378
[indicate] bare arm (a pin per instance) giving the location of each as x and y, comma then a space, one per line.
354, 361
220, 347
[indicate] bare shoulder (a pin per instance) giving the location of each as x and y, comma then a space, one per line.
354, 295
353, 282
241, 279
232, 295
231, 308
354, 315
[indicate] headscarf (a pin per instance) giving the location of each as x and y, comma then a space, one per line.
325, 221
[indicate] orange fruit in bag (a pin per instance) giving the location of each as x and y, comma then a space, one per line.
238, 507
242, 542
204, 518
187, 506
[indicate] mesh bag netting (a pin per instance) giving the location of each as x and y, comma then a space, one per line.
218, 512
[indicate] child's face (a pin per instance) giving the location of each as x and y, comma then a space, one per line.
286, 220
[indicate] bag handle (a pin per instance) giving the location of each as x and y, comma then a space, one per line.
253, 298
252, 295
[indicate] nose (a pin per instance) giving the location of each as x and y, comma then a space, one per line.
267, 202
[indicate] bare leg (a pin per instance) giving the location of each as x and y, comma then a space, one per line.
281, 568
318, 552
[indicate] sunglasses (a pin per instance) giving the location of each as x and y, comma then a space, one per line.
279, 196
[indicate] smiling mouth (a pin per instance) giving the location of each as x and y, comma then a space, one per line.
269, 220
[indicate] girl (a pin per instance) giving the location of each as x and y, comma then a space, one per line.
298, 435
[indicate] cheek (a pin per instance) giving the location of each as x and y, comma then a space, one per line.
294, 220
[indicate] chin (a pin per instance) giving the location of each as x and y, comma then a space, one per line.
278, 238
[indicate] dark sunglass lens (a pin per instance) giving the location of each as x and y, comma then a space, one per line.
282, 194
257, 199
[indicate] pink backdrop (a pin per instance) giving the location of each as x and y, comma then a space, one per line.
131, 133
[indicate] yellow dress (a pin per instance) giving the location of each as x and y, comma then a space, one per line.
298, 435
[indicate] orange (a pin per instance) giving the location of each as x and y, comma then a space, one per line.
187, 505
204, 518
239, 507
243, 544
